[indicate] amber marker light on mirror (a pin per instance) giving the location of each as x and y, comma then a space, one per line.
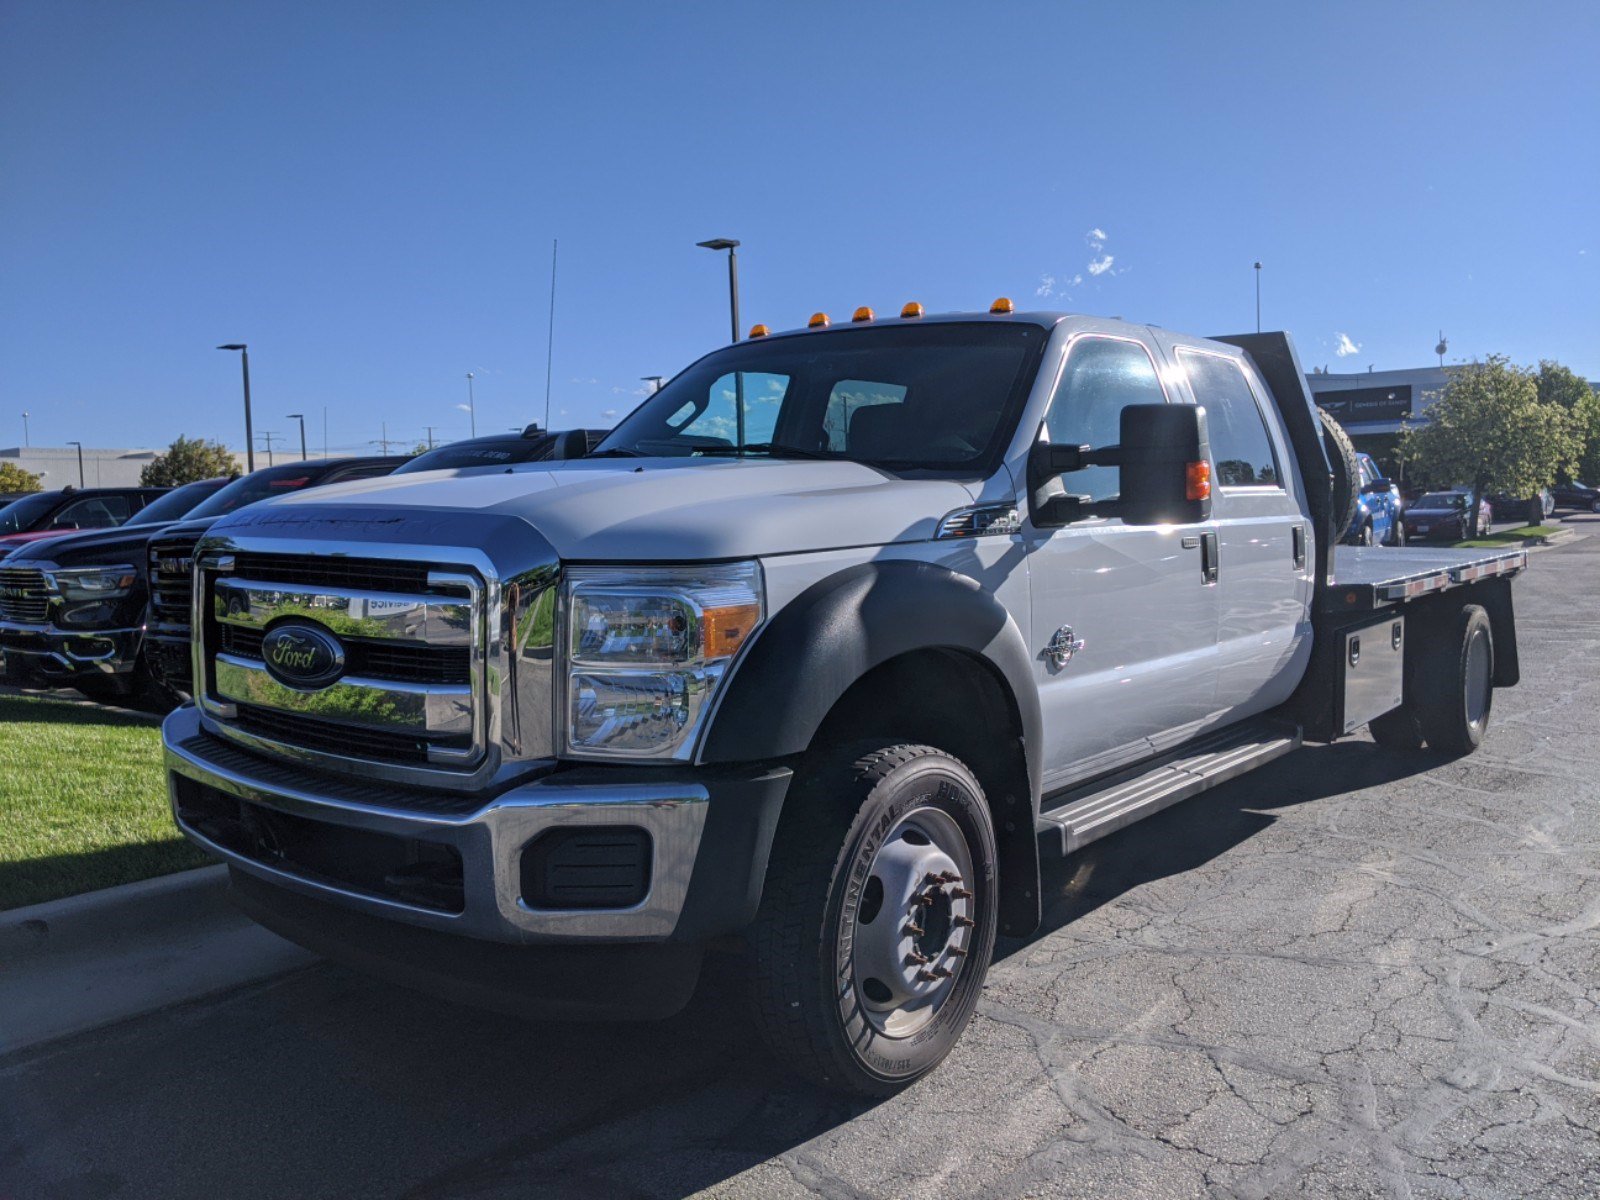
1197, 480
1003, 305
818, 321
911, 310
862, 314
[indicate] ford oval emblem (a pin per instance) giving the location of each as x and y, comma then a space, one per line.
302, 656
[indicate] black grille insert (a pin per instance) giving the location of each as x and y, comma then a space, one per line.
340, 739
400, 662
412, 871
592, 866
371, 574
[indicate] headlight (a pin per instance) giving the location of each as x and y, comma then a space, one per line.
645, 650
93, 583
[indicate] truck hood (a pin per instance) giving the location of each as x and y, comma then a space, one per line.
96, 547
667, 509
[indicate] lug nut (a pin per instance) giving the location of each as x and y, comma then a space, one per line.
963, 922
956, 950
917, 957
926, 976
941, 972
914, 929
925, 900
933, 880
950, 877
960, 893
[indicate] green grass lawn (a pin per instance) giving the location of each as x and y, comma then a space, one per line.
1511, 537
83, 802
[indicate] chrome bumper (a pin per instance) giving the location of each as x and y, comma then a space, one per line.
490, 839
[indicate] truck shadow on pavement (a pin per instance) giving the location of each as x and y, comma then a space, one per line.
324, 1082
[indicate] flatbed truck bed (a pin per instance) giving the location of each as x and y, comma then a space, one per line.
1364, 578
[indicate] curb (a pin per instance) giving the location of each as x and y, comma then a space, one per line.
76, 700
71, 965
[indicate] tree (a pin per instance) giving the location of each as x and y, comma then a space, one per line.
187, 460
1561, 385
1491, 430
14, 479
1586, 416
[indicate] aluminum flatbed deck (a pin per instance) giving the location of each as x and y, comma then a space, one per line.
1372, 577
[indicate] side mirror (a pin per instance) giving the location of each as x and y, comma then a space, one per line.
1164, 464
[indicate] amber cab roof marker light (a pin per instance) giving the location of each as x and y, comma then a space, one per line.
818, 321
1002, 305
759, 331
911, 310
862, 314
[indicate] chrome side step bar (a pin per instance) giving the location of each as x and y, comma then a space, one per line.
1085, 814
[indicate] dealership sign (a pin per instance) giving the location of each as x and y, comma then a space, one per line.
1368, 404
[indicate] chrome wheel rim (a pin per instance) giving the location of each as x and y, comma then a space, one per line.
914, 923
1477, 679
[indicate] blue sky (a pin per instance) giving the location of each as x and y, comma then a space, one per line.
367, 193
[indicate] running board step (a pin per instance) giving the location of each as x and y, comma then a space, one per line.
1089, 813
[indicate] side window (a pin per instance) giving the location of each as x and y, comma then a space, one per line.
95, 512
1103, 376
716, 422
1241, 447
850, 396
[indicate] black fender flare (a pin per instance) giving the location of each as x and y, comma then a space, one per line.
843, 626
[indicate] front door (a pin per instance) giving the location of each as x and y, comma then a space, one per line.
1137, 673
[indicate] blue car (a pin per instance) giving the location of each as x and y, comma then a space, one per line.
1377, 520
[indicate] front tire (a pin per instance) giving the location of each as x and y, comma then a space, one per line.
878, 918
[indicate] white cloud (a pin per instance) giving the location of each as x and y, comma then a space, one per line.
583, 380
1099, 266
609, 413
464, 407
1096, 237
1047, 286
1346, 347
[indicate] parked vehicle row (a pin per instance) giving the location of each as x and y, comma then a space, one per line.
108, 612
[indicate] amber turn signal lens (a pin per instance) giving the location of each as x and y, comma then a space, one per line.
911, 310
759, 331
1197, 480
862, 314
726, 628
818, 321
1002, 305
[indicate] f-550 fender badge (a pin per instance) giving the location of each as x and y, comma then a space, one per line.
1062, 647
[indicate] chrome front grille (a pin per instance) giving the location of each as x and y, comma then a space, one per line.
171, 580
24, 595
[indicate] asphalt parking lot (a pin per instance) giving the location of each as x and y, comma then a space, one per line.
1353, 973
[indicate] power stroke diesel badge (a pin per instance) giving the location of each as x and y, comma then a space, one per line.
302, 656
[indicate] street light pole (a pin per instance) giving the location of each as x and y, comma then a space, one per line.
249, 432
79, 445
1258, 297
656, 382
301, 418
25, 416
731, 245
472, 405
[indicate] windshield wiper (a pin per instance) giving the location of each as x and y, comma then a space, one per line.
618, 452
771, 449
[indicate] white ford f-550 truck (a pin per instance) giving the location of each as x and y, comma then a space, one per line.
813, 658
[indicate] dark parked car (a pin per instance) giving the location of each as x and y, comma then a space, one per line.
1507, 507
1442, 517
1577, 495
170, 552
72, 607
68, 510
531, 445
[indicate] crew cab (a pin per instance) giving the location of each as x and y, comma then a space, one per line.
169, 554
813, 659
67, 510
72, 608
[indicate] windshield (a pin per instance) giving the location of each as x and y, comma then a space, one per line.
21, 515
480, 452
938, 397
176, 503
273, 481
1442, 500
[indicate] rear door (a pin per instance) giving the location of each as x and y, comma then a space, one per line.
1131, 604
1264, 571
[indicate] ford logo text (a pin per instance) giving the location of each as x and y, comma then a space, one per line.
302, 655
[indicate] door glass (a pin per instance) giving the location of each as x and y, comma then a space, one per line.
1241, 448
1103, 376
96, 512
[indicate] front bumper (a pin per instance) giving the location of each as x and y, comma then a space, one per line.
61, 653
456, 864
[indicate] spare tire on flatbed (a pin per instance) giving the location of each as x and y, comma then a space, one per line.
1346, 474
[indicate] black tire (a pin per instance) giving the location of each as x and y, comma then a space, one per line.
1397, 730
103, 690
808, 1003
1365, 537
1454, 681
1346, 475
1397, 535
1595, 507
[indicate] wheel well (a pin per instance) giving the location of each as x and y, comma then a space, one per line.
953, 700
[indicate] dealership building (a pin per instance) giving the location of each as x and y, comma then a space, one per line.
1375, 407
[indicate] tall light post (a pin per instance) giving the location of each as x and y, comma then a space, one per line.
79, 445
1258, 297
301, 418
731, 245
25, 441
249, 431
472, 405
